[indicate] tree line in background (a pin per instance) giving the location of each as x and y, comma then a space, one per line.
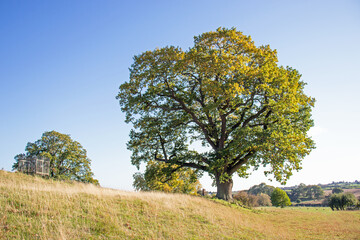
304, 192
263, 195
266, 195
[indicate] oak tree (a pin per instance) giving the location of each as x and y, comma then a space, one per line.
227, 94
68, 159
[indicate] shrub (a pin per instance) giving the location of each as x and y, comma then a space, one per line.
246, 199
279, 198
251, 200
264, 200
337, 190
342, 201
335, 202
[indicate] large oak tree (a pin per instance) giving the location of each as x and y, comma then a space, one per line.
226, 93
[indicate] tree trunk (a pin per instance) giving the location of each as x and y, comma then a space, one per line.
224, 189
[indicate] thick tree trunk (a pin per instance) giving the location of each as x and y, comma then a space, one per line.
224, 189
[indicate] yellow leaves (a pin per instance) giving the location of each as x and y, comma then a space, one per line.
238, 88
224, 76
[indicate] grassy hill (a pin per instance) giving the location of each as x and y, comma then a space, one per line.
35, 208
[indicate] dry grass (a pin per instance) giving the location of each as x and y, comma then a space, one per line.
34, 208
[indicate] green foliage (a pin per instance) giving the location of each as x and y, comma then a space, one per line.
225, 93
348, 199
140, 183
279, 198
298, 192
164, 177
342, 200
314, 192
335, 201
306, 192
68, 159
341, 184
261, 188
337, 190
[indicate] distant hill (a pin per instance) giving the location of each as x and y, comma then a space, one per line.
343, 185
330, 186
36, 208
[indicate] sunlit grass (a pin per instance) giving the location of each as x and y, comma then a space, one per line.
35, 208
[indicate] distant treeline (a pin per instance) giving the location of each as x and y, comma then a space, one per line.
303, 195
330, 186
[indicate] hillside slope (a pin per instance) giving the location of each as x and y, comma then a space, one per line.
35, 208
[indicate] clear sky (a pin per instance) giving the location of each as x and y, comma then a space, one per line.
61, 63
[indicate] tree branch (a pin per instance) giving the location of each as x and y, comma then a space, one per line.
193, 116
223, 132
183, 164
246, 122
240, 162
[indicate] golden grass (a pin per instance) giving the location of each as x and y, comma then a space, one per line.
35, 208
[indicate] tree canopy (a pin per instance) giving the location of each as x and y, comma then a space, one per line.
306, 192
279, 198
68, 159
261, 188
337, 190
160, 176
225, 93
342, 200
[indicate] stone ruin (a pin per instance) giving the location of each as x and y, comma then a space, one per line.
34, 165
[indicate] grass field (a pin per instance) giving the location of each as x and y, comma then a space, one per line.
35, 208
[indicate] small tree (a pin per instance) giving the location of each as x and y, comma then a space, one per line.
341, 201
68, 159
279, 198
140, 183
247, 199
167, 178
261, 188
348, 200
314, 192
337, 190
264, 200
335, 202
298, 192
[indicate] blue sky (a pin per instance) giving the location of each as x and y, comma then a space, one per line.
61, 63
